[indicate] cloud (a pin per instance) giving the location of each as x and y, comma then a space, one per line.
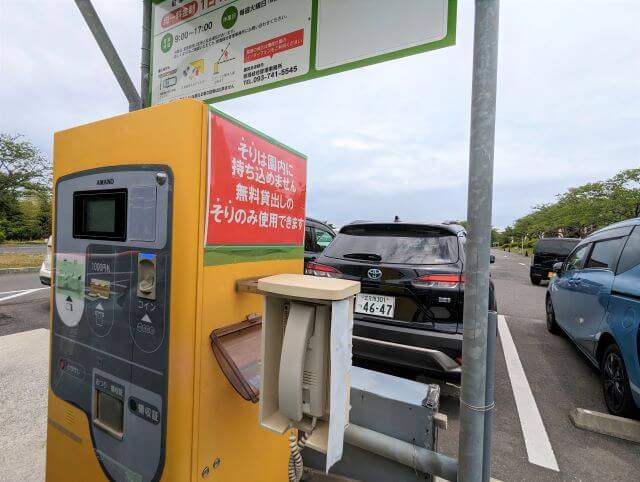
354, 144
390, 138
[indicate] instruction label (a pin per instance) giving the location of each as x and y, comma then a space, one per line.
209, 48
256, 189
69, 287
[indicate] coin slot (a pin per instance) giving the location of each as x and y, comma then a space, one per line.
147, 276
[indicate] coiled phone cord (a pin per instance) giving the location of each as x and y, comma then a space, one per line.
296, 445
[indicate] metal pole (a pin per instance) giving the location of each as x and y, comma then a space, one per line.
418, 458
488, 415
108, 50
473, 396
145, 59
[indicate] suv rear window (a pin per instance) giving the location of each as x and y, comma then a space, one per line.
395, 244
556, 246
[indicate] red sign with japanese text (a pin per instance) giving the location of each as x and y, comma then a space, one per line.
269, 48
256, 189
180, 14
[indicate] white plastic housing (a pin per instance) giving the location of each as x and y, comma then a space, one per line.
306, 357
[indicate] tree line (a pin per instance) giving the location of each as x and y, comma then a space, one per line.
579, 211
25, 201
25, 190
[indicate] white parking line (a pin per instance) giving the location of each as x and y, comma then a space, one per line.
535, 436
522, 264
22, 293
9, 292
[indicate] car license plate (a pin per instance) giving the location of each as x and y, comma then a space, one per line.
378, 305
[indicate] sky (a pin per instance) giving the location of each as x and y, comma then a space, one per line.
389, 139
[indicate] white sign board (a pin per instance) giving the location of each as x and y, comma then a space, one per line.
352, 30
217, 49
208, 48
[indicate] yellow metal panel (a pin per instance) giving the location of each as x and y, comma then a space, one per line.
228, 424
70, 456
173, 134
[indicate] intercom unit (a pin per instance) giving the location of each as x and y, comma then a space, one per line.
306, 357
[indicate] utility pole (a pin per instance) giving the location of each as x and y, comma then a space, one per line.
476, 398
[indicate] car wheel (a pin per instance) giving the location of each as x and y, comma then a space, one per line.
552, 326
536, 281
615, 383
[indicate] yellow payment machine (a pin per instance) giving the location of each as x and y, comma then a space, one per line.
158, 214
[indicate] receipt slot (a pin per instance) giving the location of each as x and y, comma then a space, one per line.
157, 214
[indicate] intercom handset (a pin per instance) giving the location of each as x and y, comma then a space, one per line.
303, 363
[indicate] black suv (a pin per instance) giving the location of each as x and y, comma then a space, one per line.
549, 251
409, 311
317, 236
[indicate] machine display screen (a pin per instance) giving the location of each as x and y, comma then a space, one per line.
100, 214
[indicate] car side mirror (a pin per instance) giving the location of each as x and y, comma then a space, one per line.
492, 259
557, 268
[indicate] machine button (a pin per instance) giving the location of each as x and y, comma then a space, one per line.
144, 410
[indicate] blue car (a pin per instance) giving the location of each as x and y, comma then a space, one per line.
594, 298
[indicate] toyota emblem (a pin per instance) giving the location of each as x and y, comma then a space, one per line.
374, 273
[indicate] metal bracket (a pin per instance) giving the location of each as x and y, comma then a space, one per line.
249, 285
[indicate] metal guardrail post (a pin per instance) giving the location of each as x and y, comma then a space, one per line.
473, 397
108, 50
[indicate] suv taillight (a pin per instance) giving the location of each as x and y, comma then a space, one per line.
317, 269
440, 280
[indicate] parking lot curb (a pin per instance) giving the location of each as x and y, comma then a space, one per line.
34, 269
604, 423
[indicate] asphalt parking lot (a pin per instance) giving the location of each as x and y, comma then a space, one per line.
560, 379
540, 377
24, 303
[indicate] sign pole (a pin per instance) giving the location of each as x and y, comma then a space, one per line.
474, 402
145, 59
109, 51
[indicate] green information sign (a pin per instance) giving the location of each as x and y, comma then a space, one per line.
215, 50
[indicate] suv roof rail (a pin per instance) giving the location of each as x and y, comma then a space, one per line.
452, 228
